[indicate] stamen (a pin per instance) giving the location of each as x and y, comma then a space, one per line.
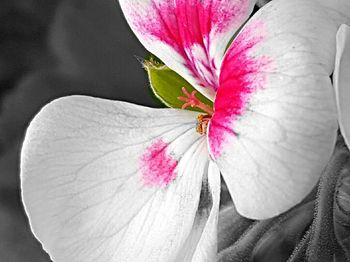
192, 101
202, 124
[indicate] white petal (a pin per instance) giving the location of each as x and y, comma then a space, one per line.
274, 125
189, 36
111, 181
201, 245
341, 80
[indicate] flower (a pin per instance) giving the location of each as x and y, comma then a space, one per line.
111, 181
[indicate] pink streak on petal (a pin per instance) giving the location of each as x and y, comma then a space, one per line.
187, 26
157, 166
242, 75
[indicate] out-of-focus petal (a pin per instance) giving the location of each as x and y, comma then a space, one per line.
188, 36
274, 125
341, 80
111, 181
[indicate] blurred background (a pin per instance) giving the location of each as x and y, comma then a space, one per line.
49, 49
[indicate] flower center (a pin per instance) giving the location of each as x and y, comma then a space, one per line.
202, 124
191, 100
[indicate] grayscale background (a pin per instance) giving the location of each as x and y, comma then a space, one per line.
49, 49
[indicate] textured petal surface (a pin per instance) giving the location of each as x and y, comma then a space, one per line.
341, 80
274, 125
188, 36
111, 181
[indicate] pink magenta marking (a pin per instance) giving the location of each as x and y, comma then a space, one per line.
157, 166
241, 76
186, 25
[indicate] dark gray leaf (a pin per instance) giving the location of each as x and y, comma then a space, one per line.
279, 242
342, 211
323, 244
231, 226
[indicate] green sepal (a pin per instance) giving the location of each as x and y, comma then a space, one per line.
167, 85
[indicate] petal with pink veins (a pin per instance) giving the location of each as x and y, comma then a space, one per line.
110, 181
341, 79
189, 36
274, 125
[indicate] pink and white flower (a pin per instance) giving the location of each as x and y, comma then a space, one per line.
111, 181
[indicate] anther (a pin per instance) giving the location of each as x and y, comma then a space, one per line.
202, 124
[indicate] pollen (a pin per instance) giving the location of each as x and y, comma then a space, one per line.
202, 124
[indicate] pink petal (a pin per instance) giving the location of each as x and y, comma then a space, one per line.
189, 36
239, 78
274, 125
